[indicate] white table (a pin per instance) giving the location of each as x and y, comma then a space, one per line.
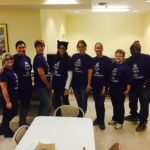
68, 133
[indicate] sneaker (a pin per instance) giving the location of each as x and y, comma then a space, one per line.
118, 126
112, 122
130, 118
141, 127
102, 125
95, 122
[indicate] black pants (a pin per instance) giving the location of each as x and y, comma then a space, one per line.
60, 99
144, 102
8, 114
99, 105
25, 95
135, 95
118, 106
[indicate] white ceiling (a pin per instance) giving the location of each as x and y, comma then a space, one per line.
83, 5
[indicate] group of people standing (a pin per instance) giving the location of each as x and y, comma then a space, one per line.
84, 74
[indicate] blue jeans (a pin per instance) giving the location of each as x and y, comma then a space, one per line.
44, 98
81, 97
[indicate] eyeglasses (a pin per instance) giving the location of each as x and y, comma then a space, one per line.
11, 58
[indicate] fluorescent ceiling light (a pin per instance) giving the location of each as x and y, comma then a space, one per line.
110, 9
61, 2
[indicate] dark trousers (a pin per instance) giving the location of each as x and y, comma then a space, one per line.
144, 102
59, 98
99, 105
81, 97
134, 95
118, 106
8, 114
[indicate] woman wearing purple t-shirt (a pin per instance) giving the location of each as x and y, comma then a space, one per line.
22, 67
82, 74
8, 94
119, 88
62, 75
42, 79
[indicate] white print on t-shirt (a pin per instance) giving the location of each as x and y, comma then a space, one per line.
135, 72
77, 66
56, 68
113, 75
27, 68
97, 70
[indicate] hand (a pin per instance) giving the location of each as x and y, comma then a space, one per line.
8, 105
126, 93
88, 88
66, 92
103, 92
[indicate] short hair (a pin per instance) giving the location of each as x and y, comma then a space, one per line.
99, 43
82, 42
39, 43
4, 57
120, 51
19, 43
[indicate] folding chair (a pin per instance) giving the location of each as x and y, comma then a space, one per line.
69, 111
19, 134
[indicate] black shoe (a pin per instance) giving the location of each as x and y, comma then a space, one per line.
1, 130
131, 118
141, 127
95, 122
102, 125
8, 133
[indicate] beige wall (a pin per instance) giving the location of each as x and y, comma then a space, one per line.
146, 45
113, 30
53, 28
23, 24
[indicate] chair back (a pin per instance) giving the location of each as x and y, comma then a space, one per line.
69, 111
19, 134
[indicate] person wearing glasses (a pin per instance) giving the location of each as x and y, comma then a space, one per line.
22, 67
8, 94
42, 79
62, 74
82, 74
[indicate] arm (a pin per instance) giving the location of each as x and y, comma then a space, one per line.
43, 77
88, 87
66, 92
6, 95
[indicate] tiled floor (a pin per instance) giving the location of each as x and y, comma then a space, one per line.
128, 138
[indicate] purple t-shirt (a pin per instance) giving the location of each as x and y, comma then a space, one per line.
120, 77
11, 78
80, 64
22, 67
60, 67
140, 69
101, 72
40, 62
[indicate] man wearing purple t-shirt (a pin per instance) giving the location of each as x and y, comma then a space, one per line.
139, 64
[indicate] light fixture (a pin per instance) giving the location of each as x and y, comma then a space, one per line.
110, 9
61, 2
147, 1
